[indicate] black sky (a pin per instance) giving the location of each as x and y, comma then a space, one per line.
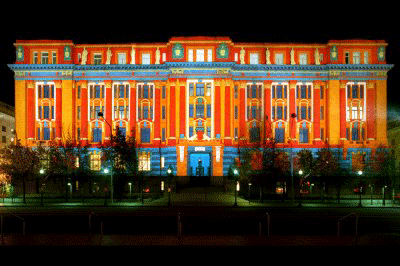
153, 23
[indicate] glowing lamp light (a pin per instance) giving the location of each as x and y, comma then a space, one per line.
41, 171
106, 171
237, 186
300, 172
360, 172
235, 172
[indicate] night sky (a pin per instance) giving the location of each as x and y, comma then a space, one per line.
89, 25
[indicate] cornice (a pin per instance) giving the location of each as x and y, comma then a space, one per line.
202, 65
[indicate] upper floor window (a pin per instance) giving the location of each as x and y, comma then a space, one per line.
146, 59
303, 59
356, 57
254, 58
96, 91
53, 57
45, 91
122, 58
366, 58
199, 55
355, 91
97, 59
304, 91
347, 58
279, 58
44, 57
35, 58
279, 92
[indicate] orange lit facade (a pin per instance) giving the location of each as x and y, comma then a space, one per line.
198, 100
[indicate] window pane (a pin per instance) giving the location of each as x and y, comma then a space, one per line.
145, 135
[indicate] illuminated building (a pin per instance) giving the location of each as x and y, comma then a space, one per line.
7, 124
202, 98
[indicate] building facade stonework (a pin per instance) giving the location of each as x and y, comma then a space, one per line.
196, 100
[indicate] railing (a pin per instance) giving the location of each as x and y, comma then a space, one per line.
344, 217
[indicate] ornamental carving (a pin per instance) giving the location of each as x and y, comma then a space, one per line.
177, 51
222, 51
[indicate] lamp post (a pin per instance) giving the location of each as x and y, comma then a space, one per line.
249, 191
100, 114
41, 171
360, 187
111, 183
169, 174
130, 190
237, 187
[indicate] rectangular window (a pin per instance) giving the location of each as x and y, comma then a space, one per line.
303, 135
347, 58
145, 135
236, 91
254, 58
200, 110
280, 135
97, 134
163, 134
78, 112
208, 110
121, 112
145, 112
279, 59
95, 162
190, 55
303, 59
209, 55
209, 132
164, 92
53, 57
190, 132
253, 91
322, 134
146, 59
191, 110
254, 112
121, 91
144, 161
236, 134
97, 59
44, 57
35, 58
279, 112
200, 89
366, 58
356, 57
322, 113
321, 93
236, 112
199, 55
46, 91
163, 112
303, 112
122, 58
145, 92
278, 92
46, 112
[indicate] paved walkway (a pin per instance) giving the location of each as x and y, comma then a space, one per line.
202, 196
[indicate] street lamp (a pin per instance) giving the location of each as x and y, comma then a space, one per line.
249, 191
41, 171
360, 187
106, 171
237, 187
130, 190
169, 174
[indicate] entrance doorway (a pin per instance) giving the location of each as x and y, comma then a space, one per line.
199, 168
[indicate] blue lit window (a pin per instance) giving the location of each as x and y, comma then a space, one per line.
280, 135
145, 135
200, 89
97, 134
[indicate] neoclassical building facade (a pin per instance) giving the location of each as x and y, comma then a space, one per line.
196, 100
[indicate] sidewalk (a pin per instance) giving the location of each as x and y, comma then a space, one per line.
199, 197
